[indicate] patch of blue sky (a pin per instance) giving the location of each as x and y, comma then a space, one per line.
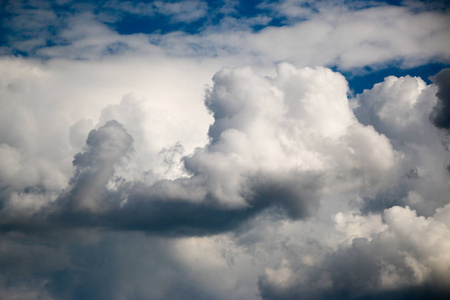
116, 48
155, 22
131, 24
368, 77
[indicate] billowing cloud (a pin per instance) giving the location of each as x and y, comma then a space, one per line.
286, 141
400, 108
95, 167
404, 255
270, 148
213, 150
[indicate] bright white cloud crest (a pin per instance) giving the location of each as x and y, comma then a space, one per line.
275, 130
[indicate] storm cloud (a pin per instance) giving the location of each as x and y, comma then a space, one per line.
441, 113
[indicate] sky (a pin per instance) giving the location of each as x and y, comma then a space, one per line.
193, 149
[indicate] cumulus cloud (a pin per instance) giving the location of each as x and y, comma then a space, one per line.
286, 141
400, 108
95, 167
128, 170
284, 151
385, 259
274, 131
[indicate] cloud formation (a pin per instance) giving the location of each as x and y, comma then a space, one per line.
214, 150
403, 255
286, 141
95, 167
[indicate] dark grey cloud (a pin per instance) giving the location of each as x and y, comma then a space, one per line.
98, 271
89, 264
150, 212
384, 200
95, 167
440, 115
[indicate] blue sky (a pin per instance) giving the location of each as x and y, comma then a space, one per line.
195, 149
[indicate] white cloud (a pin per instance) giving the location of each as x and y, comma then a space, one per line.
400, 108
293, 191
291, 139
356, 38
344, 38
375, 258
294, 132
293, 127
39, 143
